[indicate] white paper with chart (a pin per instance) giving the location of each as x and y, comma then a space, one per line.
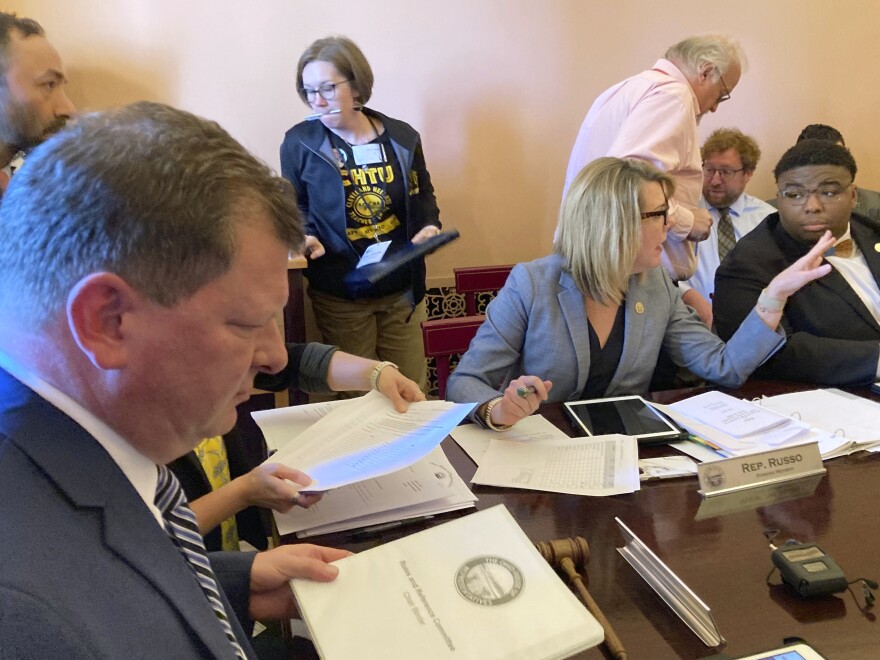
599, 465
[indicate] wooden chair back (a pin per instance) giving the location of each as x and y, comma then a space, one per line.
444, 338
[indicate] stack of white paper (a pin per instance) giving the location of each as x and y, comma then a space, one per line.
536, 455
851, 419
376, 465
739, 427
471, 588
367, 438
428, 487
600, 465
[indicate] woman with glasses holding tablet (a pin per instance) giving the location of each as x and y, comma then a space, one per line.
589, 320
362, 185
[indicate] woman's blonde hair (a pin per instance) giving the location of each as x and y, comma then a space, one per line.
600, 228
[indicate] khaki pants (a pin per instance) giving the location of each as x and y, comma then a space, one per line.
375, 328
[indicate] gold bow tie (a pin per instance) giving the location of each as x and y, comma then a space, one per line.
844, 249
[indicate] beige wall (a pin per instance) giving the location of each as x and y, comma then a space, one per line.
498, 88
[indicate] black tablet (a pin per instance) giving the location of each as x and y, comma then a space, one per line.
361, 279
629, 415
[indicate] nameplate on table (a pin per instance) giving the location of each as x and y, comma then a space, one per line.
760, 469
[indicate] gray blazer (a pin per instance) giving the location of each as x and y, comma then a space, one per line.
86, 570
537, 325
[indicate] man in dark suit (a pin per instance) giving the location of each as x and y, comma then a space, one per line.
143, 260
867, 201
832, 324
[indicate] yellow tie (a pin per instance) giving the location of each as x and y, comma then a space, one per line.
211, 453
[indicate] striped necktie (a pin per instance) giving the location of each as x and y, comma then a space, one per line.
726, 237
181, 526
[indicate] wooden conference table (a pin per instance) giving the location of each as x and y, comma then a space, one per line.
725, 560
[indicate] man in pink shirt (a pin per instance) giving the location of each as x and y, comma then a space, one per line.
653, 116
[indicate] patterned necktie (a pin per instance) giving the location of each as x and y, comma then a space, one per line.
726, 238
211, 453
181, 526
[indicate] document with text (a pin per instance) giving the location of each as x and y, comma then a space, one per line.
427, 487
598, 465
281, 425
735, 426
475, 439
368, 438
854, 420
474, 587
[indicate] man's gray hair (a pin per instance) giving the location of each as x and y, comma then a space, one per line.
717, 49
150, 193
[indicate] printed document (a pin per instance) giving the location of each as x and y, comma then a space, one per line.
599, 465
427, 487
474, 587
281, 425
735, 417
851, 418
475, 439
737, 427
368, 438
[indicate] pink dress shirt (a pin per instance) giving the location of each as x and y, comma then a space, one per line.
651, 116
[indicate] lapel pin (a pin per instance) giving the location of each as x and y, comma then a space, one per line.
640, 308
876, 247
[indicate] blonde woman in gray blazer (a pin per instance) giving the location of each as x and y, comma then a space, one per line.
604, 284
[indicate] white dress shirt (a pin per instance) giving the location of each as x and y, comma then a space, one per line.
138, 469
746, 213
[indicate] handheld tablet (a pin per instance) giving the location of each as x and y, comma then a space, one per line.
629, 415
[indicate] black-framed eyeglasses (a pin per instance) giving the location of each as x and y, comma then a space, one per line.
826, 194
327, 91
725, 94
726, 173
662, 213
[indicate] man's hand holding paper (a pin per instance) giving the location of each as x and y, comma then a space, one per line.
368, 438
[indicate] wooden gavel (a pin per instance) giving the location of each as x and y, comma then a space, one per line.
567, 555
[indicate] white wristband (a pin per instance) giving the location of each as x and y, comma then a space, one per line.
374, 374
767, 303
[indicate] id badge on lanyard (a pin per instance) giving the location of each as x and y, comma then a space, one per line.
368, 154
373, 254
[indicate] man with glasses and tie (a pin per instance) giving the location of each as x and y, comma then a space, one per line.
832, 324
653, 116
729, 161
143, 261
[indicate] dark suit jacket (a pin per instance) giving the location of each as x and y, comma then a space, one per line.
832, 337
85, 570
